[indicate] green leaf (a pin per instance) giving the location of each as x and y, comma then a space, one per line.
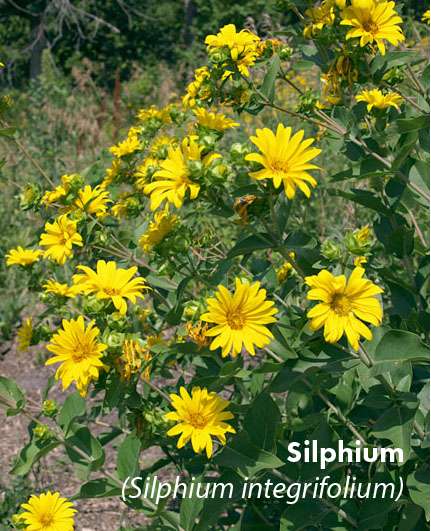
98, 488
250, 244
261, 422
397, 347
30, 454
362, 197
268, 85
396, 424
406, 125
128, 458
9, 132
11, 396
82, 438
418, 484
190, 508
244, 456
74, 406
302, 65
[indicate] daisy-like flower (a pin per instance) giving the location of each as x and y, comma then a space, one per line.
79, 353
94, 201
48, 512
108, 282
25, 334
194, 88
285, 159
372, 22
150, 163
240, 318
125, 207
59, 238
242, 46
162, 224
344, 307
62, 290
52, 196
160, 145
111, 173
172, 182
22, 256
376, 98
153, 112
128, 146
218, 121
201, 416
426, 17
323, 15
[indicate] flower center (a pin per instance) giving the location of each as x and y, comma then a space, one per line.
46, 520
371, 27
236, 320
340, 304
81, 352
111, 291
197, 420
280, 165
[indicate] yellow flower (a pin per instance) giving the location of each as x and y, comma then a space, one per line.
79, 353
62, 290
426, 17
52, 196
22, 256
192, 91
142, 170
132, 359
91, 201
161, 144
285, 159
284, 269
359, 260
153, 112
201, 416
373, 21
111, 283
198, 333
48, 512
126, 206
128, 146
343, 308
111, 173
323, 15
242, 46
172, 182
218, 121
162, 224
364, 234
59, 238
240, 318
375, 98
25, 334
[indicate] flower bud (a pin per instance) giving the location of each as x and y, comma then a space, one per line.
285, 52
238, 151
50, 408
331, 250
42, 432
116, 321
29, 196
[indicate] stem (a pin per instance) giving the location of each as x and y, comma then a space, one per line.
156, 389
33, 161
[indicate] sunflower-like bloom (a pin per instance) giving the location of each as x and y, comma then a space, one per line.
62, 290
25, 335
343, 308
323, 15
22, 256
52, 196
373, 22
242, 46
162, 224
172, 182
48, 512
160, 145
285, 159
59, 238
193, 91
150, 163
111, 173
240, 318
201, 416
128, 146
426, 17
108, 282
153, 112
126, 206
218, 121
79, 353
94, 201
376, 98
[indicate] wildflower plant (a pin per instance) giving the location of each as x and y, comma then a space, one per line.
193, 291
